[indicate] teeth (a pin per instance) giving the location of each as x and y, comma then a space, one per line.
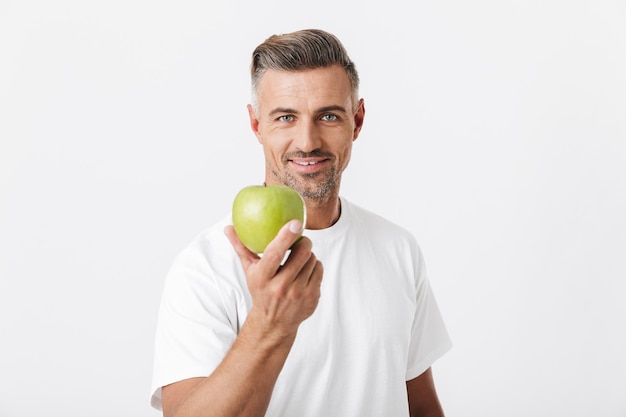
305, 163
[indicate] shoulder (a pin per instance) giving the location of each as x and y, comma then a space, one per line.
386, 241
365, 221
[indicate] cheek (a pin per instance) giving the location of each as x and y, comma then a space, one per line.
273, 151
344, 155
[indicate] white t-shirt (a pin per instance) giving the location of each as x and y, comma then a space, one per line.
377, 324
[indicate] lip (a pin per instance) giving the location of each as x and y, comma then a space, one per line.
308, 165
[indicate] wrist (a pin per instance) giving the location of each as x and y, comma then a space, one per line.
261, 333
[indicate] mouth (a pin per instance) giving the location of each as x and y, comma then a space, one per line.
308, 163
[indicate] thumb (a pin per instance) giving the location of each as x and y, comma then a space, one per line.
275, 251
286, 237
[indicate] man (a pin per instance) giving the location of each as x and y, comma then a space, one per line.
247, 335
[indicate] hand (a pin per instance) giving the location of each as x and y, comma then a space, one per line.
283, 296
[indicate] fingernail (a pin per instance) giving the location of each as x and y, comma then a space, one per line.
295, 226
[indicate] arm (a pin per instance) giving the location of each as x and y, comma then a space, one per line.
282, 297
423, 399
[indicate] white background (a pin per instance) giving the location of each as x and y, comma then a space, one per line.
495, 131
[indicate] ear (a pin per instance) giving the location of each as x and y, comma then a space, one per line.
254, 123
359, 117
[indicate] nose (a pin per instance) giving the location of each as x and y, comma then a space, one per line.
308, 137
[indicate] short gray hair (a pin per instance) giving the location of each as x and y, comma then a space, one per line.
301, 50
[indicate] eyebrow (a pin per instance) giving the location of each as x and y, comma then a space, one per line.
332, 108
282, 110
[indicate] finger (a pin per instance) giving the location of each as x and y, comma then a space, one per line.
310, 271
246, 256
315, 278
305, 270
298, 259
275, 251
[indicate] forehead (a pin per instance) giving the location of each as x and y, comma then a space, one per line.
329, 85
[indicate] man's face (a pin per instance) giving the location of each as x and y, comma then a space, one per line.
306, 123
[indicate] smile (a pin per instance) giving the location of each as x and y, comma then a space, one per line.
308, 165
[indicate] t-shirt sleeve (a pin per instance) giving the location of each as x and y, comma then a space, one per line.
429, 336
195, 328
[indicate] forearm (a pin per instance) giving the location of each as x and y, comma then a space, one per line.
283, 295
423, 398
242, 384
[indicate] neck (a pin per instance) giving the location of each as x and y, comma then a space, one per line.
322, 214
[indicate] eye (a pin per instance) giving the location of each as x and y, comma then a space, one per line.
329, 117
285, 118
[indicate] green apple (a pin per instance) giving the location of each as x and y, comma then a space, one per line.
260, 211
